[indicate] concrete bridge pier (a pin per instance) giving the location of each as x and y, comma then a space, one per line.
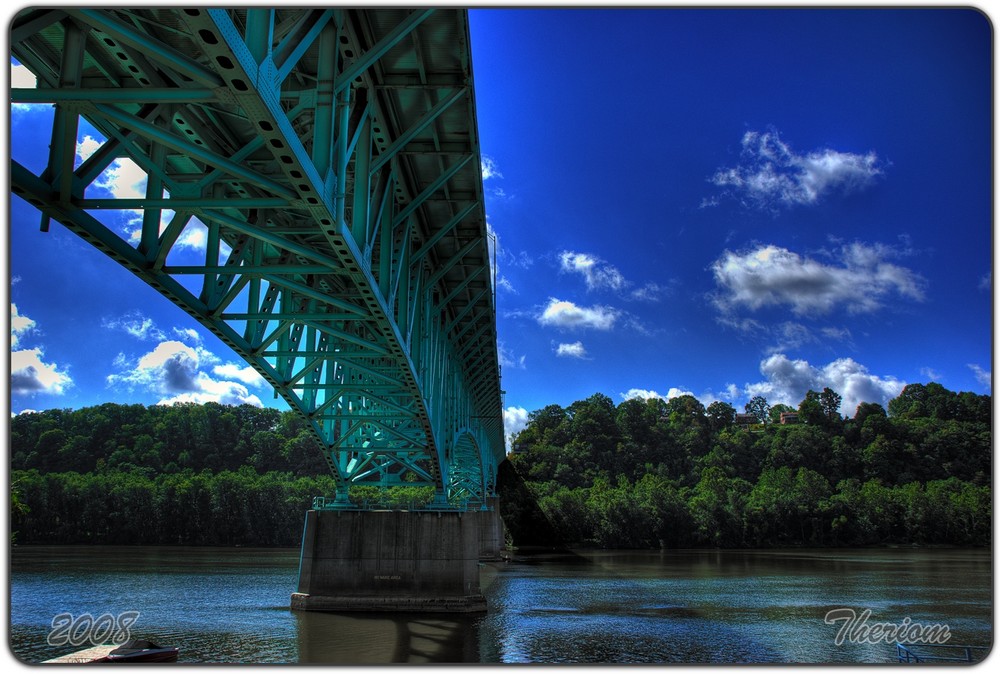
491, 537
390, 561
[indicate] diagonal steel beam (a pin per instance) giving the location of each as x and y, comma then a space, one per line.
153, 133
376, 51
421, 124
444, 231
299, 40
441, 180
123, 95
155, 49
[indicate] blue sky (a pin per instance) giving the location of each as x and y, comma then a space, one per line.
721, 202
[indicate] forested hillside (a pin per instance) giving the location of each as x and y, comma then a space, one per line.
651, 472
164, 439
183, 474
642, 473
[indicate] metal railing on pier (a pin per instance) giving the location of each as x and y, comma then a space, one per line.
939, 653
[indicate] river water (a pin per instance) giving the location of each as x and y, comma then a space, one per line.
231, 605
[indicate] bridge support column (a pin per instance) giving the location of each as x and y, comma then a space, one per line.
390, 561
491, 538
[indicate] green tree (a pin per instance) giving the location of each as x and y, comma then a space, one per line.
717, 506
685, 411
547, 426
797, 446
758, 407
720, 415
777, 410
811, 409
18, 508
829, 401
866, 410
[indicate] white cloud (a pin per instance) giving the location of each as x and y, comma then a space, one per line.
771, 174
503, 283
832, 334
124, 179
188, 335
172, 367
19, 325
787, 381
859, 281
22, 78
984, 377
508, 359
515, 420
930, 374
30, 374
247, 374
791, 335
786, 335
87, 146
574, 350
641, 394
136, 325
730, 393
489, 168
173, 370
193, 236
567, 315
600, 275
595, 271
646, 394
223, 392
648, 293
744, 325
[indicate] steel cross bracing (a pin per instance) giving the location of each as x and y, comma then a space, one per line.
331, 158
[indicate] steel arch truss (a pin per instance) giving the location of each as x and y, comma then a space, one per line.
330, 160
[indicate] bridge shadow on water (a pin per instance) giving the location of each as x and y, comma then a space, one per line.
387, 638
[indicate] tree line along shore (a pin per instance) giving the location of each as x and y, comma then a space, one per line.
678, 474
640, 474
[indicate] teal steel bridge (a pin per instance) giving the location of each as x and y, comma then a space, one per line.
331, 159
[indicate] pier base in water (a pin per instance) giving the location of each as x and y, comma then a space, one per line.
491, 536
391, 561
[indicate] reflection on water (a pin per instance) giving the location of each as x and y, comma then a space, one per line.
380, 638
733, 606
231, 605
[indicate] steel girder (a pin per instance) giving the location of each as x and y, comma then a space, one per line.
332, 158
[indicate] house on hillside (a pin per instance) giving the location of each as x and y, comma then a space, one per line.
789, 418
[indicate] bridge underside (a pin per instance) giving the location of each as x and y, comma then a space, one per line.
313, 196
